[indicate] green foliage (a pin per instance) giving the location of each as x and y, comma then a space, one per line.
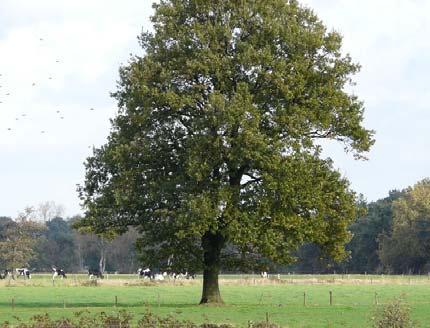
367, 234
395, 314
57, 247
405, 248
17, 242
217, 138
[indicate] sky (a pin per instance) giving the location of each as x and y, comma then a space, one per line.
59, 63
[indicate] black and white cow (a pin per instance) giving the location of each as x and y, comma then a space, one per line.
183, 275
187, 275
191, 275
23, 272
145, 273
95, 273
58, 272
160, 276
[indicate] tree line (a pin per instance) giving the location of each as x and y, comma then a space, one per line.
391, 235
41, 245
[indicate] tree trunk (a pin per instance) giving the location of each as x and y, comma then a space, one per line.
212, 245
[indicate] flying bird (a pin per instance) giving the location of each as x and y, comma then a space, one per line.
33, 84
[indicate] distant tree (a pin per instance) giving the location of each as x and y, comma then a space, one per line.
92, 248
17, 242
217, 140
107, 253
368, 228
4, 223
87, 252
49, 210
406, 248
57, 247
122, 255
28, 214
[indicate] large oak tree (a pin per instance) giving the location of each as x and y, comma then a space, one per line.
216, 142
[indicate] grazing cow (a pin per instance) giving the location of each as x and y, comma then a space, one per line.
58, 272
145, 273
187, 275
191, 275
182, 275
95, 273
158, 276
23, 272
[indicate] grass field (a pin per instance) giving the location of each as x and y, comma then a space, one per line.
246, 297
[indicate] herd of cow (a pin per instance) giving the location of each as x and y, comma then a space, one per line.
95, 273
148, 274
26, 273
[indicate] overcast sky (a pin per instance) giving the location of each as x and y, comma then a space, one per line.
60, 59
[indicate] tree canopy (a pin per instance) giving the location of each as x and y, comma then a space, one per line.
367, 232
405, 248
216, 144
17, 241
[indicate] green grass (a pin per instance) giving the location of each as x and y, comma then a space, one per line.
353, 304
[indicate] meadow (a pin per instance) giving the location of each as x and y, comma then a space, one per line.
291, 301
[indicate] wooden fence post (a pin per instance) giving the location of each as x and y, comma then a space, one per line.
304, 298
331, 297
